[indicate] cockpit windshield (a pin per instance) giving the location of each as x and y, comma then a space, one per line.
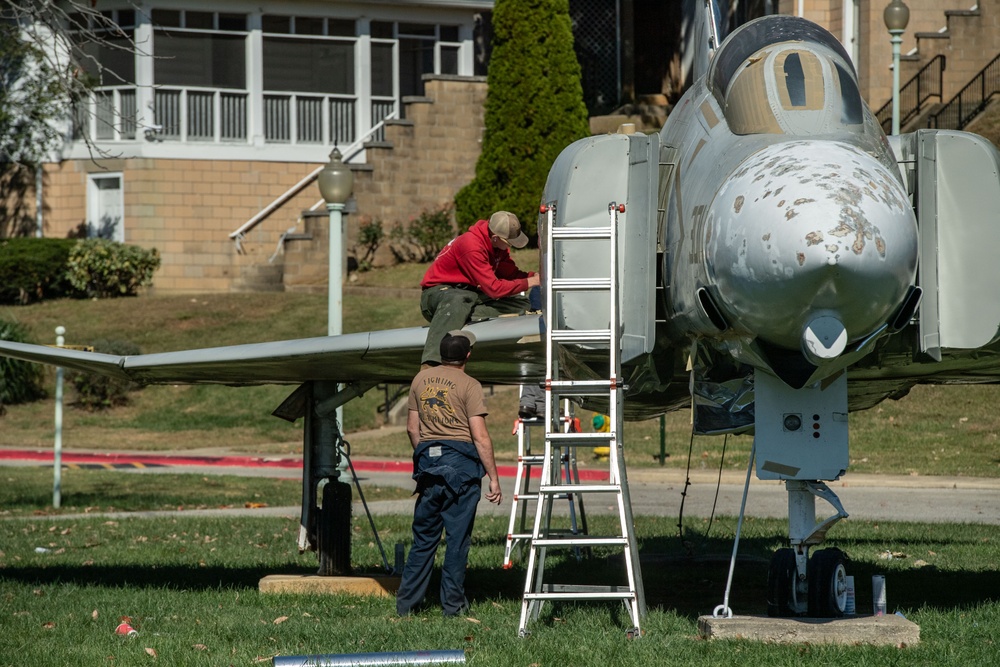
785, 75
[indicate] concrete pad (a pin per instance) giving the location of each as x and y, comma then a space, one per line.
380, 586
878, 630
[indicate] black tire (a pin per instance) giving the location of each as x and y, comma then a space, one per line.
333, 530
827, 584
780, 584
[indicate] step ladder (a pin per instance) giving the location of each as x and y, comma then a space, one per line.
536, 590
529, 459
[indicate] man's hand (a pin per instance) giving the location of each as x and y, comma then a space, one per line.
494, 495
534, 280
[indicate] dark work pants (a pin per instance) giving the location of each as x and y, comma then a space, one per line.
439, 508
447, 308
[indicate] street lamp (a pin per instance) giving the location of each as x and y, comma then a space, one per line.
336, 180
896, 16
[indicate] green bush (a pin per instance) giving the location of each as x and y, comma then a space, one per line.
32, 269
20, 381
105, 269
370, 237
101, 392
422, 239
534, 109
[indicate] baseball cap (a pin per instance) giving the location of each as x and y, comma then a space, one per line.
506, 225
456, 344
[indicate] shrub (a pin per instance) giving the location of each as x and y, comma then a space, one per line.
101, 392
534, 109
370, 237
20, 381
33, 269
422, 239
106, 269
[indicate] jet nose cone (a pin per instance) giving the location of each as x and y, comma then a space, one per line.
811, 226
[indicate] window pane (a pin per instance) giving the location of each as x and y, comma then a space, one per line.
449, 59
199, 20
167, 18
382, 69
236, 22
329, 65
416, 58
382, 30
113, 66
449, 33
308, 25
277, 24
214, 61
341, 28
126, 18
421, 29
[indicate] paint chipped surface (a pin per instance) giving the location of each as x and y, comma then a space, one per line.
814, 238
738, 204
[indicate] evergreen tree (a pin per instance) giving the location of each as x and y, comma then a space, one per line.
534, 109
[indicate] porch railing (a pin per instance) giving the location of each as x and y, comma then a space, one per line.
925, 84
957, 112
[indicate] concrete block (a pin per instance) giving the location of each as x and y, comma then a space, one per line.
380, 586
891, 630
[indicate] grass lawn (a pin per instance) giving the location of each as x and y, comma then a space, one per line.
189, 586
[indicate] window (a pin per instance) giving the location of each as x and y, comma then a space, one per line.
105, 207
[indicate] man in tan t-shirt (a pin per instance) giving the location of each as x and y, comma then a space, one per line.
452, 450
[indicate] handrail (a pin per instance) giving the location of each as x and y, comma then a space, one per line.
348, 153
957, 112
913, 94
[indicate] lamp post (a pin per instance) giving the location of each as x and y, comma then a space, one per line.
336, 180
896, 16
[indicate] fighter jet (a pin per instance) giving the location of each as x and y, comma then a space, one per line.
781, 264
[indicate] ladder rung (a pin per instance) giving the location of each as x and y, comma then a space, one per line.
581, 335
578, 488
582, 595
578, 439
581, 284
563, 385
531, 459
581, 232
534, 496
578, 541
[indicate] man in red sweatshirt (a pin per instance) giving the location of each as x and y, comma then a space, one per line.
473, 277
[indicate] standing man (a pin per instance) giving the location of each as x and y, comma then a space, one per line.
474, 277
452, 451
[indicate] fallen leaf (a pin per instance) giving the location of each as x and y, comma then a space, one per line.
469, 638
254, 506
472, 620
49, 625
200, 647
93, 614
262, 658
152, 652
280, 619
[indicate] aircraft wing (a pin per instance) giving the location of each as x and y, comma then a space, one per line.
508, 351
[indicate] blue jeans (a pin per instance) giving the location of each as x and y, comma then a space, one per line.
438, 509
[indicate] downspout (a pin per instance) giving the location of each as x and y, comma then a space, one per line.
39, 220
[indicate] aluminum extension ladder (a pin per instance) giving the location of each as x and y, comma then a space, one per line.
528, 459
536, 590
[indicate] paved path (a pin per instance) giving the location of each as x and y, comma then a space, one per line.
654, 491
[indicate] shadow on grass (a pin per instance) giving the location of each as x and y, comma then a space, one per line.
690, 580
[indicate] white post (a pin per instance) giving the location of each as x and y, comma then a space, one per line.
57, 456
335, 310
897, 39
